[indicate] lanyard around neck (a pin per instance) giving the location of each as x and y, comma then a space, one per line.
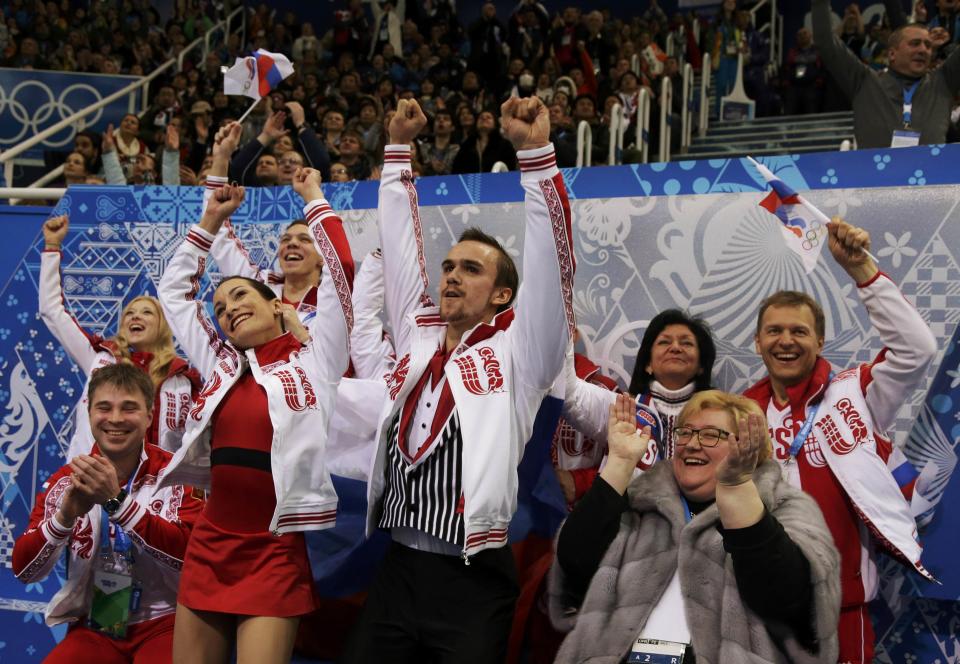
807, 425
908, 103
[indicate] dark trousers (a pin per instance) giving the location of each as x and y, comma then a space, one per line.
427, 607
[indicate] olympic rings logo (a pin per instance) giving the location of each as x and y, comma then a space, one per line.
813, 235
30, 122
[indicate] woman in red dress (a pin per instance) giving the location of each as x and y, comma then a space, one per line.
255, 437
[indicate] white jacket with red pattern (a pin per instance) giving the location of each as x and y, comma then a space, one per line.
300, 388
173, 396
500, 371
854, 425
371, 353
157, 520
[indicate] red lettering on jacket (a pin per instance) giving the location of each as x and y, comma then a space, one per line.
853, 419
208, 390
830, 431
292, 389
471, 377
395, 381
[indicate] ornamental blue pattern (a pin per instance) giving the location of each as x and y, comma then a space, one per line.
647, 237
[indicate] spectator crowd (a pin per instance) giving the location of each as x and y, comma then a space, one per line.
332, 112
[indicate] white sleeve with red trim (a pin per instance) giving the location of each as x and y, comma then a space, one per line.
369, 350
186, 315
909, 348
227, 250
36, 552
330, 333
161, 538
544, 323
401, 241
586, 407
61, 324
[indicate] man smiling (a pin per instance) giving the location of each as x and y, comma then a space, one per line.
906, 104
832, 432
105, 506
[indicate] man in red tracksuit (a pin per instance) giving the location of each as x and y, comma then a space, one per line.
832, 431
104, 503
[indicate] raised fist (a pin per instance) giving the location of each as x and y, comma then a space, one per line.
55, 230
306, 182
224, 202
525, 122
407, 122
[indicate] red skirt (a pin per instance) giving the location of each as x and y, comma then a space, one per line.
250, 574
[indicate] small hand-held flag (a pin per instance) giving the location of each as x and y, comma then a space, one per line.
804, 226
256, 75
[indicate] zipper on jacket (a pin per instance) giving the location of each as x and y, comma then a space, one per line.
465, 557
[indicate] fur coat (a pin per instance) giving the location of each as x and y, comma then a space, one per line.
654, 539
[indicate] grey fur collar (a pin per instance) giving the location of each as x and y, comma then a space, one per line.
654, 541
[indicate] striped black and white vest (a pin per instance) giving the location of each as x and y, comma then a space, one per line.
426, 496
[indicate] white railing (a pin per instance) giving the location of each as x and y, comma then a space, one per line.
77, 118
500, 167
42, 180
666, 101
686, 112
846, 145
774, 27
671, 45
705, 74
643, 125
615, 148
635, 64
584, 144
7, 158
16, 193
696, 29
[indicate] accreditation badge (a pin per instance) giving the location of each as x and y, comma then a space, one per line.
904, 138
654, 651
113, 595
116, 594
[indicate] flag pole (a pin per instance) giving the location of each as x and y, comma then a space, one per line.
810, 207
247, 112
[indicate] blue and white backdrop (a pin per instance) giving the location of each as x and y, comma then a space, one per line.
685, 234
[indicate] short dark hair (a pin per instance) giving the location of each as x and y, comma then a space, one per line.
93, 136
124, 376
897, 35
640, 381
787, 298
297, 222
506, 269
354, 134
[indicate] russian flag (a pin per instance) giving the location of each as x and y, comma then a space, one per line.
804, 226
256, 75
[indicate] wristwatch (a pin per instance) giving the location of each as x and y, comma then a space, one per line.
113, 504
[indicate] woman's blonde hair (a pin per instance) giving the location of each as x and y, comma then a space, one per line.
735, 406
164, 351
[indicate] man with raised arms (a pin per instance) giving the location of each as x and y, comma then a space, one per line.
469, 380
